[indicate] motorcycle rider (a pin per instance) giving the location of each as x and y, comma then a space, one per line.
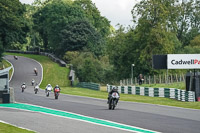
48, 86
15, 57
36, 86
33, 81
35, 70
57, 87
23, 85
114, 89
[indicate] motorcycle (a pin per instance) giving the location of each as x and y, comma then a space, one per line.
23, 88
113, 100
35, 71
56, 92
48, 90
15, 57
36, 89
33, 81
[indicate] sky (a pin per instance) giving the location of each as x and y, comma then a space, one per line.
116, 11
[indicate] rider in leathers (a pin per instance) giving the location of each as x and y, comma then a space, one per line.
114, 89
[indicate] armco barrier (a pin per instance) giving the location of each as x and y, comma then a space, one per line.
177, 94
51, 56
89, 85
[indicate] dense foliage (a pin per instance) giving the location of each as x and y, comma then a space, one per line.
76, 32
13, 27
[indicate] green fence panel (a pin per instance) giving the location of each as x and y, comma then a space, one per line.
146, 91
129, 90
156, 92
137, 89
122, 89
167, 92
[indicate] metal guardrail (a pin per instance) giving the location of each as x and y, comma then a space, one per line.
89, 85
51, 56
173, 93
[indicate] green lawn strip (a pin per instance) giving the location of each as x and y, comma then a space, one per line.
52, 73
132, 98
6, 65
6, 128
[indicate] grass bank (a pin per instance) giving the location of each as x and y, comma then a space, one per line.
52, 73
52, 69
6, 64
6, 128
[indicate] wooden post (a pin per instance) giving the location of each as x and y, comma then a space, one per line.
171, 78
160, 79
131, 81
149, 79
176, 78
135, 80
183, 77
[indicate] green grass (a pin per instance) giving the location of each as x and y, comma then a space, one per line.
6, 128
6, 65
52, 69
52, 73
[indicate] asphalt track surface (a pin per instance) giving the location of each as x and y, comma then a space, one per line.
153, 117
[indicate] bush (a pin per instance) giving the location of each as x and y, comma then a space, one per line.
91, 69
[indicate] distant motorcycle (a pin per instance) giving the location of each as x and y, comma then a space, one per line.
36, 89
56, 92
32, 82
113, 100
35, 71
15, 57
23, 88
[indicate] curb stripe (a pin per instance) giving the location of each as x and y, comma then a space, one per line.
76, 117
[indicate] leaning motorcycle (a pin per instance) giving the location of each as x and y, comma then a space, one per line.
113, 100
35, 71
56, 92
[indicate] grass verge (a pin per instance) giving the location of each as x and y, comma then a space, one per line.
6, 128
52, 73
51, 69
6, 65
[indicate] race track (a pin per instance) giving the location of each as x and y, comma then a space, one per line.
153, 117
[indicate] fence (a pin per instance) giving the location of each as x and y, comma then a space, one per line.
173, 93
89, 85
155, 79
51, 56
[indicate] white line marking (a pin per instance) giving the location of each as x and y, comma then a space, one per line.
83, 120
16, 126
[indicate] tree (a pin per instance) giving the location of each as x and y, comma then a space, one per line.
50, 19
79, 35
101, 23
156, 30
13, 27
